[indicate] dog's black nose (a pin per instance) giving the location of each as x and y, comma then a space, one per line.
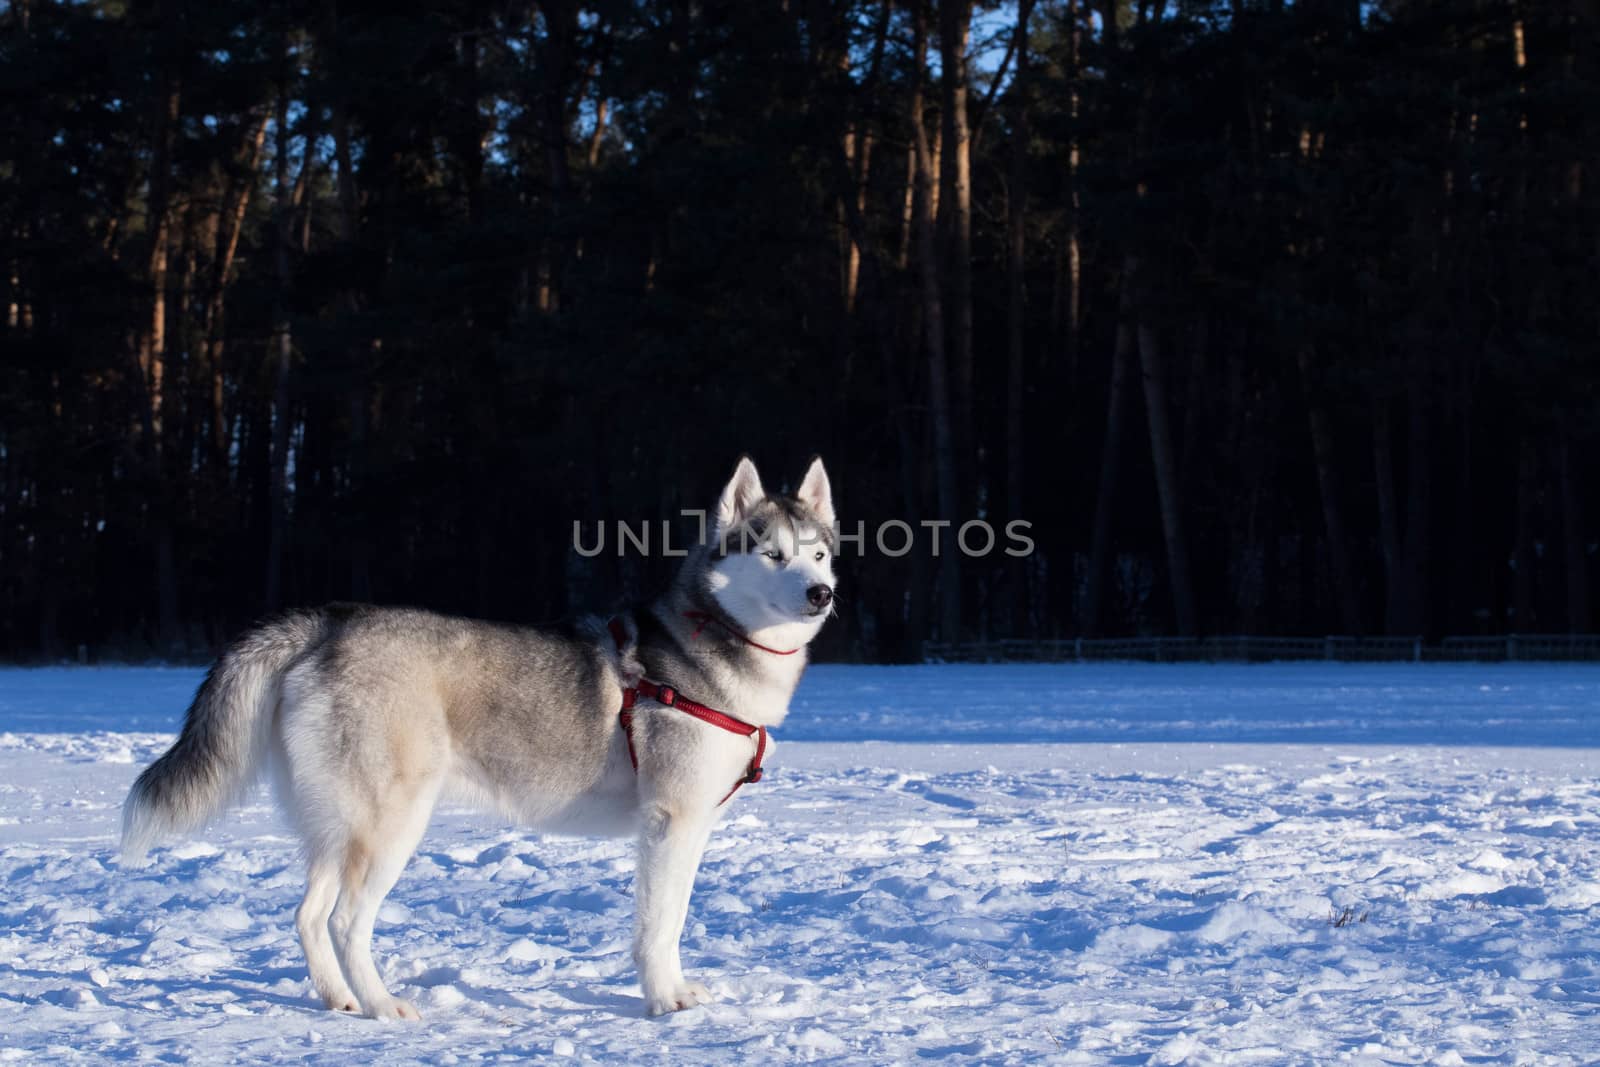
820, 596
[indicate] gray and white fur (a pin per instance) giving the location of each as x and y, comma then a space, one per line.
363, 716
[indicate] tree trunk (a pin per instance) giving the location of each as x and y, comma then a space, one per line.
1525, 613
230, 224
1074, 250
152, 357
858, 144
1578, 618
1419, 502
185, 387
1016, 233
597, 136
345, 173
1110, 464
470, 128
912, 610
907, 211
153, 350
556, 67
1116, 16
1340, 572
1166, 467
1394, 571
282, 344
955, 212
933, 329
302, 201
359, 353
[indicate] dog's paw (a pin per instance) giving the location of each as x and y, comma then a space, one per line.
395, 1008
346, 1005
685, 995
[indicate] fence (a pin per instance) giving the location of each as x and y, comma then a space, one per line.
1535, 647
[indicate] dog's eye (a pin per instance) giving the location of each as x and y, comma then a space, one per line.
820, 555
774, 554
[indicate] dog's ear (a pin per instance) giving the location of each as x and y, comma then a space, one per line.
815, 492
740, 496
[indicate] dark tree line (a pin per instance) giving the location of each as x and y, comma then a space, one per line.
1270, 317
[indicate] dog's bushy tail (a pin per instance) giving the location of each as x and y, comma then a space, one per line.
219, 754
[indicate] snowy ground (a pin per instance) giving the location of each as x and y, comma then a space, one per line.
1095, 864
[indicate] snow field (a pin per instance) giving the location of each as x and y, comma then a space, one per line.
1155, 901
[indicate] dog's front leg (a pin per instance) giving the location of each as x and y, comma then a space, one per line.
670, 846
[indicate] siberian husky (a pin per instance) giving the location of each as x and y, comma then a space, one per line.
643, 725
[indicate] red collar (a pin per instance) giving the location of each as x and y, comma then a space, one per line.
704, 617
668, 697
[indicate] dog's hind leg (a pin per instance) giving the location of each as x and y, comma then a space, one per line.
372, 865
322, 890
299, 768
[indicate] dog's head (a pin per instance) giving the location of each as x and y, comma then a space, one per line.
771, 557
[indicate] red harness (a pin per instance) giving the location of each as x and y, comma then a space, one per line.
668, 697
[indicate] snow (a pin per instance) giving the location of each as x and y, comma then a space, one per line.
1110, 863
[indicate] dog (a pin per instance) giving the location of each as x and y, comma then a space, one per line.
363, 716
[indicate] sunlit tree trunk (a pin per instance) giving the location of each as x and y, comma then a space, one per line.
858, 153
230, 224
556, 68
152, 355
158, 225
907, 211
